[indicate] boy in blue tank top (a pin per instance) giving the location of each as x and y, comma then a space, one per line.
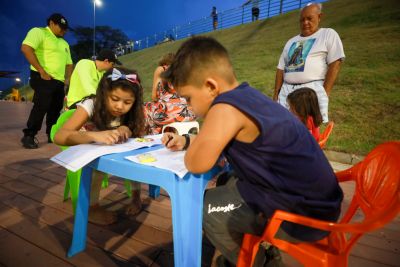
276, 162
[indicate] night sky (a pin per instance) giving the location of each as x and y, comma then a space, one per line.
137, 19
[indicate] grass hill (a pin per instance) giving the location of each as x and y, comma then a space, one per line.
365, 101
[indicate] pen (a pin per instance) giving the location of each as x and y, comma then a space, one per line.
169, 139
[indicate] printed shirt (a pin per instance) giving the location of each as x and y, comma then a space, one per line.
283, 168
306, 59
84, 81
51, 51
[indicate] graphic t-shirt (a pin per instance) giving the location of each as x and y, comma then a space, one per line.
306, 59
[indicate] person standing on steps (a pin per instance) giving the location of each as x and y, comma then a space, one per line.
214, 16
255, 9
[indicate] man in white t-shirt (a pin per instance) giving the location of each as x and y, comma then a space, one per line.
311, 59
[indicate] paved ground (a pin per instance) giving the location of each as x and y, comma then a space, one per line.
36, 225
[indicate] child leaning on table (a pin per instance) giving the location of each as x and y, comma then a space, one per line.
113, 115
276, 163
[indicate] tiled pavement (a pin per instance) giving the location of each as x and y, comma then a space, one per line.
36, 225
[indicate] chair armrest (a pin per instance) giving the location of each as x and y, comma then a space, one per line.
347, 175
280, 216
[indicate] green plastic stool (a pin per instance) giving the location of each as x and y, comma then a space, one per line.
73, 178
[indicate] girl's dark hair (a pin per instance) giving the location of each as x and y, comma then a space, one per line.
167, 59
134, 118
304, 102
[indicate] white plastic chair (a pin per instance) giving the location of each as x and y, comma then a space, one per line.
180, 128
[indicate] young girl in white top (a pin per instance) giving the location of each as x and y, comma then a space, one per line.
112, 116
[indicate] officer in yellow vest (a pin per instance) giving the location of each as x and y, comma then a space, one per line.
87, 74
51, 66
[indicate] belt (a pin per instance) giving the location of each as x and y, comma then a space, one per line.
295, 84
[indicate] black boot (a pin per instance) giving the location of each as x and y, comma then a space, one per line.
29, 142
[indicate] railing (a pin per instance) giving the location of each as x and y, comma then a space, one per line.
226, 19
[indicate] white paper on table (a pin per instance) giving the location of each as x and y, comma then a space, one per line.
75, 157
164, 159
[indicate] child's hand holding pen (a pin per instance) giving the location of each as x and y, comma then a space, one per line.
173, 141
169, 139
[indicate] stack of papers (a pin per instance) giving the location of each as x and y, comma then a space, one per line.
76, 157
164, 159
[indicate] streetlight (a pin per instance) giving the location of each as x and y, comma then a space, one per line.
98, 3
19, 81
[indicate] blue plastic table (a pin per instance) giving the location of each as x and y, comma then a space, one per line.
186, 200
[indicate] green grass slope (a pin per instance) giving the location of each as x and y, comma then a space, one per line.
365, 101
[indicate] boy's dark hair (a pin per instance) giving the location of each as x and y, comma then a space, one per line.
196, 55
304, 102
167, 59
134, 118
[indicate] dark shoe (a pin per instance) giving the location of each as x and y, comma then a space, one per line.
273, 257
29, 142
49, 139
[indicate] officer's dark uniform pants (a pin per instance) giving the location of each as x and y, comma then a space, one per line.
48, 99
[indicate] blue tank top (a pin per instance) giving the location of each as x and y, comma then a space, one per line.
284, 167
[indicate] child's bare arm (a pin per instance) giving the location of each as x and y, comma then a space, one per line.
69, 133
222, 123
156, 80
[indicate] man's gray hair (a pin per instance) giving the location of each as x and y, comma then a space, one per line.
318, 5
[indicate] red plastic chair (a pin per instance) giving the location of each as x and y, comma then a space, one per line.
377, 195
323, 138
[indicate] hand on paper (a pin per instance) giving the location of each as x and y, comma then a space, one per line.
173, 141
125, 133
109, 137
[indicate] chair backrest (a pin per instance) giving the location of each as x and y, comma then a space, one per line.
377, 190
180, 128
377, 195
323, 138
60, 122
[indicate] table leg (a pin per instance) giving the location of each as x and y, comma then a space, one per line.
187, 216
154, 191
78, 243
